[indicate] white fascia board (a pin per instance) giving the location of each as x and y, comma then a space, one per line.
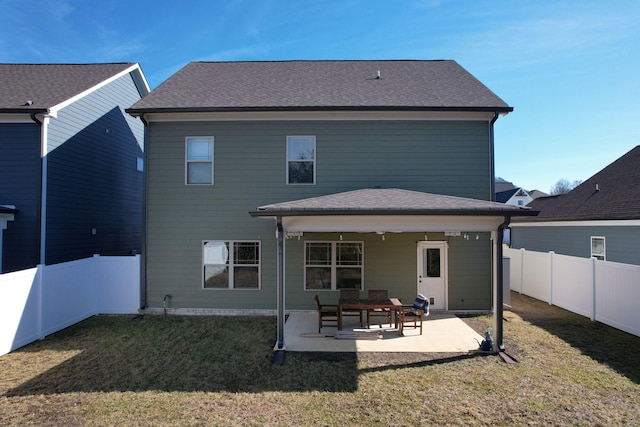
603, 223
334, 115
390, 223
53, 111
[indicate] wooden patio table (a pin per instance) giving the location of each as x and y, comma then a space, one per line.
393, 304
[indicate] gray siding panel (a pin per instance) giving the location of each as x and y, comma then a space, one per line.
621, 241
20, 186
92, 181
442, 157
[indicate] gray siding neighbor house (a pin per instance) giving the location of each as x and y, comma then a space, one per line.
69, 158
599, 218
271, 182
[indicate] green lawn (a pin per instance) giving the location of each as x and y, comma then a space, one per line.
122, 370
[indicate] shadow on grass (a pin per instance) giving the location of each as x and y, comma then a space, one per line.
602, 343
203, 354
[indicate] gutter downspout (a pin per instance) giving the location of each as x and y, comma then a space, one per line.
280, 302
42, 215
499, 297
145, 180
492, 158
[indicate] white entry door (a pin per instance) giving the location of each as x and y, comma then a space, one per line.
432, 273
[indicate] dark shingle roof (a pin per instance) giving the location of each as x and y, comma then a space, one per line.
612, 193
504, 196
290, 85
47, 85
379, 201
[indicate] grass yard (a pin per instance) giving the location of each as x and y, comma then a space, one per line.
116, 370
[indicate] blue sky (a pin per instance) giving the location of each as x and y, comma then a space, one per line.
570, 69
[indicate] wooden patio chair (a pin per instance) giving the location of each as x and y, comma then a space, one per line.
378, 295
351, 295
327, 314
412, 315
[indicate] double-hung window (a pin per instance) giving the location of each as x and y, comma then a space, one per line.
301, 160
231, 264
199, 160
598, 249
333, 265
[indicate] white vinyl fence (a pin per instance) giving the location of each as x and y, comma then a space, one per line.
45, 299
608, 292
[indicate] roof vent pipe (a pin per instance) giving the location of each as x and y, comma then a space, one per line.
597, 187
378, 75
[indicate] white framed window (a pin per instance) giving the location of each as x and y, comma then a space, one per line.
199, 160
598, 248
231, 264
301, 160
333, 265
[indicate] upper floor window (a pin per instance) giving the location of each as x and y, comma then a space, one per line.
598, 249
231, 264
199, 160
301, 160
334, 265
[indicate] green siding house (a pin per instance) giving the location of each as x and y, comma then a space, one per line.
270, 182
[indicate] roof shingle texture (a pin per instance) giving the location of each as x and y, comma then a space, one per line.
321, 84
390, 200
47, 85
616, 197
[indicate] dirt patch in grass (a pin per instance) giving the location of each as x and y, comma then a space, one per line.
114, 370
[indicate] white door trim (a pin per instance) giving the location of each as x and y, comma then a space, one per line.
444, 273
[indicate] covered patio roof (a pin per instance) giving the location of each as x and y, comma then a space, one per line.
391, 210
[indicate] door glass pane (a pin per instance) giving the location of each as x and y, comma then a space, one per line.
432, 264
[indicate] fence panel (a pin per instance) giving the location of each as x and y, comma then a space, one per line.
572, 284
43, 300
617, 296
20, 299
601, 290
119, 285
536, 272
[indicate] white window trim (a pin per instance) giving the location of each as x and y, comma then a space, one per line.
604, 248
334, 266
187, 161
232, 264
315, 156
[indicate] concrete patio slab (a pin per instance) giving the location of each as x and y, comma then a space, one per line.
442, 333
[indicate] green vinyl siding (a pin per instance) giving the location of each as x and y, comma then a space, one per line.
444, 157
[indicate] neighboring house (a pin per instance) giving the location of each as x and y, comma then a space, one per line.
515, 197
70, 162
599, 218
371, 175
